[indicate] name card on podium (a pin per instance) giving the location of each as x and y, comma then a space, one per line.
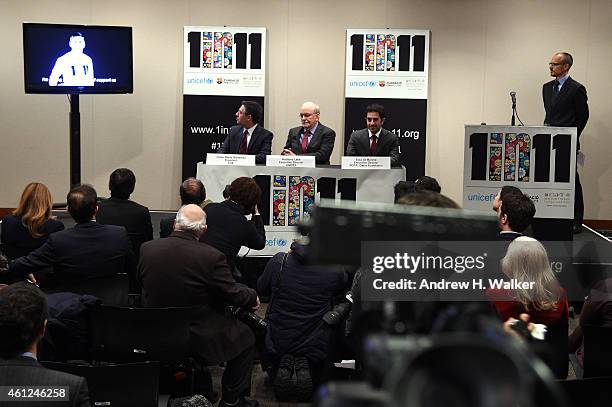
301, 161
230, 159
366, 163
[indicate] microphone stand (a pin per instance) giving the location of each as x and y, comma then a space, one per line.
513, 122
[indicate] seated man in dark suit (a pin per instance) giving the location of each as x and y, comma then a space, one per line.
229, 229
23, 318
248, 136
374, 140
311, 138
192, 191
119, 210
515, 212
181, 271
88, 250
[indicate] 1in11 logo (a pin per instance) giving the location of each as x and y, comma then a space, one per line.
508, 157
224, 50
387, 52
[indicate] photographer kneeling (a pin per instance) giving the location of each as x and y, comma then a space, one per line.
297, 340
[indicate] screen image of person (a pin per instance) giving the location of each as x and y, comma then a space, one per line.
74, 68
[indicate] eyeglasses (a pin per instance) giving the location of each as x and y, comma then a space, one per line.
307, 115
555, 63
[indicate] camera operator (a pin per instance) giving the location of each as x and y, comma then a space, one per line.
229, 229
297, 342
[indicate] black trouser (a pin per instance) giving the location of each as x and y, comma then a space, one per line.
578, 202
236, 380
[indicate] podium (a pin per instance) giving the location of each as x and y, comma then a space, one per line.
539, 160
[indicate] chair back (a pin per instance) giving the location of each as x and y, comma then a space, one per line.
111, 290
597, 351
126, 385
121, 334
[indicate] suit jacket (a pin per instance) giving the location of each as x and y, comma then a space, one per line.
228, 229
260, 144
18, 242
569, 108
180, 271
26, 371
321, 144
88, 250
134, 217
386, 146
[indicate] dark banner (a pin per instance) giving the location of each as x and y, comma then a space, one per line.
406, 118
206, 123
390, 67
222, 67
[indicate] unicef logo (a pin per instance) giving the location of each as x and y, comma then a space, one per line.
279, 242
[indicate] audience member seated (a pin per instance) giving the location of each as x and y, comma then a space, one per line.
426, 183
402, 188
515, 211
23, 319
192, 191
596, 311
297, 341
228, 228
181, 271
31, 223
526, 262
119, 210
88, 250
428, 198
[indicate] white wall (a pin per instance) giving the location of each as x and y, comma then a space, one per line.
480, 50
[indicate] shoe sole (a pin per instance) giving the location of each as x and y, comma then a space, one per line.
303, 387
283, 386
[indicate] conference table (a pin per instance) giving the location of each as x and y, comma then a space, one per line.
289, 194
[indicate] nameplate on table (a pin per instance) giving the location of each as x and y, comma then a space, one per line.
295, 161
230, 159
366, 163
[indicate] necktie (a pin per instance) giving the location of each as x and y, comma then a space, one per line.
373, 145
305, 141
243, 143
555, 89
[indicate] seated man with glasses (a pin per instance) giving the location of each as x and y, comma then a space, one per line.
312, 137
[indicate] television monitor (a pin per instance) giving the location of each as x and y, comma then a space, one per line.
62, 58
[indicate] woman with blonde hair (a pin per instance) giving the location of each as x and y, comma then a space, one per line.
535, 291
31, 223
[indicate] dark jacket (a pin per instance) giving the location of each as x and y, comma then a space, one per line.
260, 144
321, 144
569, 108
26, 371
17, 241
386, 146
228, 229
88, 250
180, 271
296, 311
134, 217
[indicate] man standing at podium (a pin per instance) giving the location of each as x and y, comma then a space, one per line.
311, 138
248, 137
374, 140
565, 102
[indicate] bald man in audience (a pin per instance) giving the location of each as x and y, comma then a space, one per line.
312, 137
180, 271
